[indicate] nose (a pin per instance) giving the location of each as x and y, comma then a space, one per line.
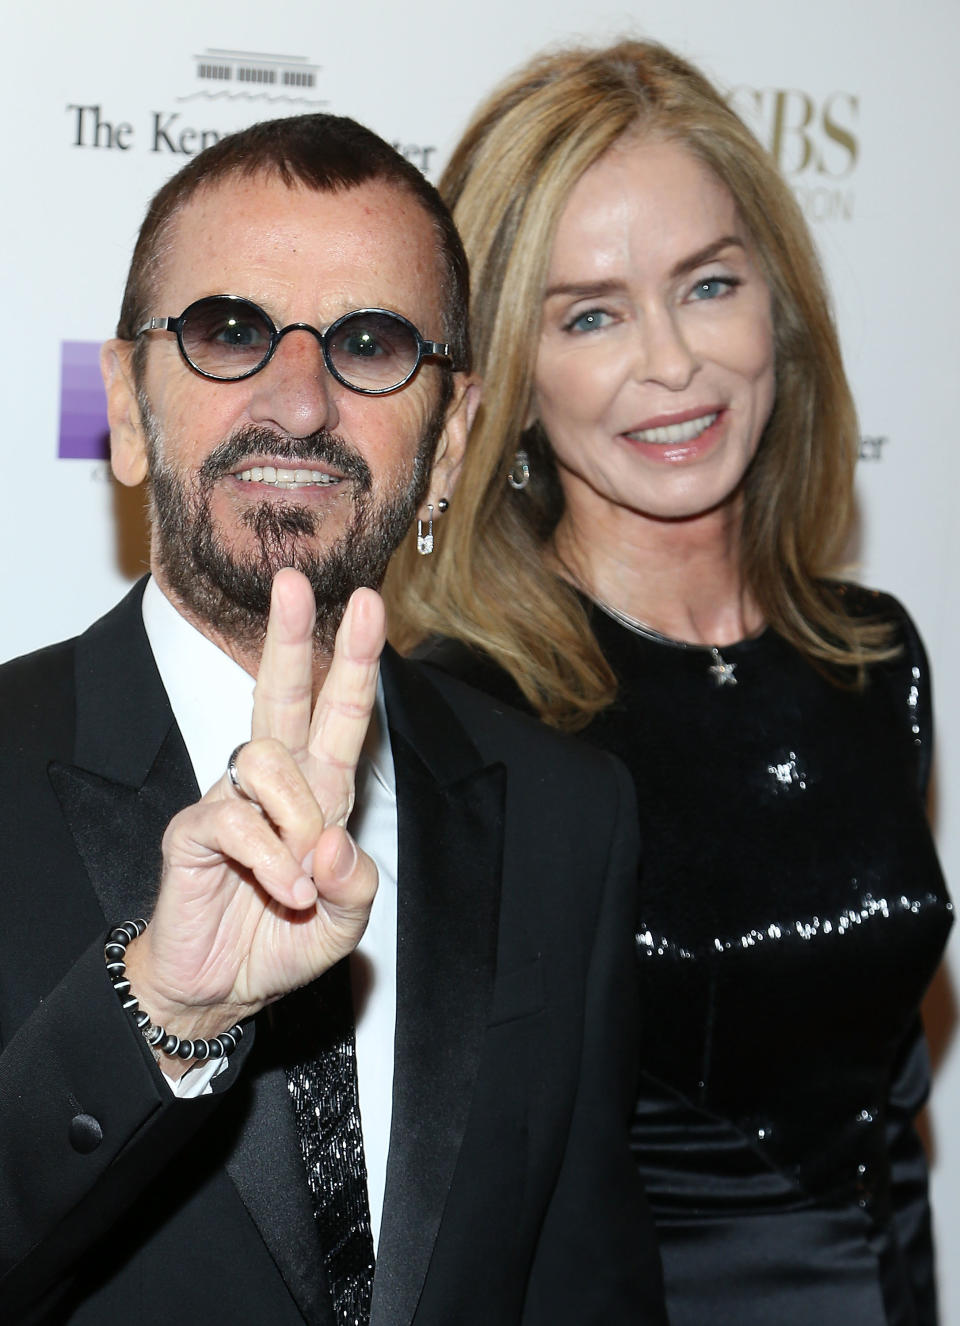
665, 355
295, 392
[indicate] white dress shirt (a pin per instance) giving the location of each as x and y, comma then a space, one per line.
212, 700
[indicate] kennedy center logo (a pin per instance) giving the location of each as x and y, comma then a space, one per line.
230, 89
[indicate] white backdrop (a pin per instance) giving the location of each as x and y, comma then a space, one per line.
857, 99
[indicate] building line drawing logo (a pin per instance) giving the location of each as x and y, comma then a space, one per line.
228, 75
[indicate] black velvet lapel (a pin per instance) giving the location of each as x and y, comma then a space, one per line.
117, 829
131, 772
450, 821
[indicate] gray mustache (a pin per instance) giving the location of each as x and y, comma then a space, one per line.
325, 448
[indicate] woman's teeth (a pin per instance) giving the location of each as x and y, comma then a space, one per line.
685, 432
281, 478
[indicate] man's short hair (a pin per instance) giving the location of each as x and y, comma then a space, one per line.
328, 153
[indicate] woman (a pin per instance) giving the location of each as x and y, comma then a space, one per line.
655, 494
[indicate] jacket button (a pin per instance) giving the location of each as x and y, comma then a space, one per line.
85, 1133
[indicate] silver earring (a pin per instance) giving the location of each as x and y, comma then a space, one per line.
425, 541
443, 505
518, 476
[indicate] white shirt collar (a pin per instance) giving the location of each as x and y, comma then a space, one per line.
212, 696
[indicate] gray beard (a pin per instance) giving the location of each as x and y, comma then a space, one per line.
232, 592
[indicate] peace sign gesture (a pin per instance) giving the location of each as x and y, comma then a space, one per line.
263, 888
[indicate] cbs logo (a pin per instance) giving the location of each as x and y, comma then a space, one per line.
804, 136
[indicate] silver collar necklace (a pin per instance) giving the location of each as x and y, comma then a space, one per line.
721, 672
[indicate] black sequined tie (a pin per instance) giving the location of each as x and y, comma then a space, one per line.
327, 1110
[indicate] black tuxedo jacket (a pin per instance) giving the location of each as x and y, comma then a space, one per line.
510, 1197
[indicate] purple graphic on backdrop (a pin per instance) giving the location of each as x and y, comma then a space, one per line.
84, 433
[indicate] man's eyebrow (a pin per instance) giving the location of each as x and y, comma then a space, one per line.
708, 252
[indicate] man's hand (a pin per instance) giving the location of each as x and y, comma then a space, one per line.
264, 889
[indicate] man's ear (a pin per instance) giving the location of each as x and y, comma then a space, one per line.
448, 457
128, 449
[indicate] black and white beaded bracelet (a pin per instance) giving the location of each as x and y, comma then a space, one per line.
157, 1038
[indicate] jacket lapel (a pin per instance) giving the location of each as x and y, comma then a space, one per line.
450, 826
131, 775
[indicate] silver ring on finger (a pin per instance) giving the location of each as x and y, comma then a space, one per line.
233, 773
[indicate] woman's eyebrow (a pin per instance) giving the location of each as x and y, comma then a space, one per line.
588, 289
583, 289
705, 254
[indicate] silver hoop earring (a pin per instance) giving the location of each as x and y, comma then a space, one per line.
425, 541
518, 476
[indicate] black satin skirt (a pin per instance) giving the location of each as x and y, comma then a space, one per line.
744, 1244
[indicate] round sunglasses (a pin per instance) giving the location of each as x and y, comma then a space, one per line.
227, 338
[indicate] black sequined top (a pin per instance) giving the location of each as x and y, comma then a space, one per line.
792, 912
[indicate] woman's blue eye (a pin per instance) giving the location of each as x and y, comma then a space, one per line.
713, 286
589, 321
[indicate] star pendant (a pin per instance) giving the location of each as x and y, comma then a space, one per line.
721, 671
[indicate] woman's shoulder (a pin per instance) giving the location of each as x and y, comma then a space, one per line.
905, 673
864, 602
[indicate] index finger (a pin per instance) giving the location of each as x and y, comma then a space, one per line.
282, 696
343, 709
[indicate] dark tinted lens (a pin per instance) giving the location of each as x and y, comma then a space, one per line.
374, 351
225, 337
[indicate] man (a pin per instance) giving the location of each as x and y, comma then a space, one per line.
181, 1122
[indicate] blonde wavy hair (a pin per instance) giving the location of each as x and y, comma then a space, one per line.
493, 582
